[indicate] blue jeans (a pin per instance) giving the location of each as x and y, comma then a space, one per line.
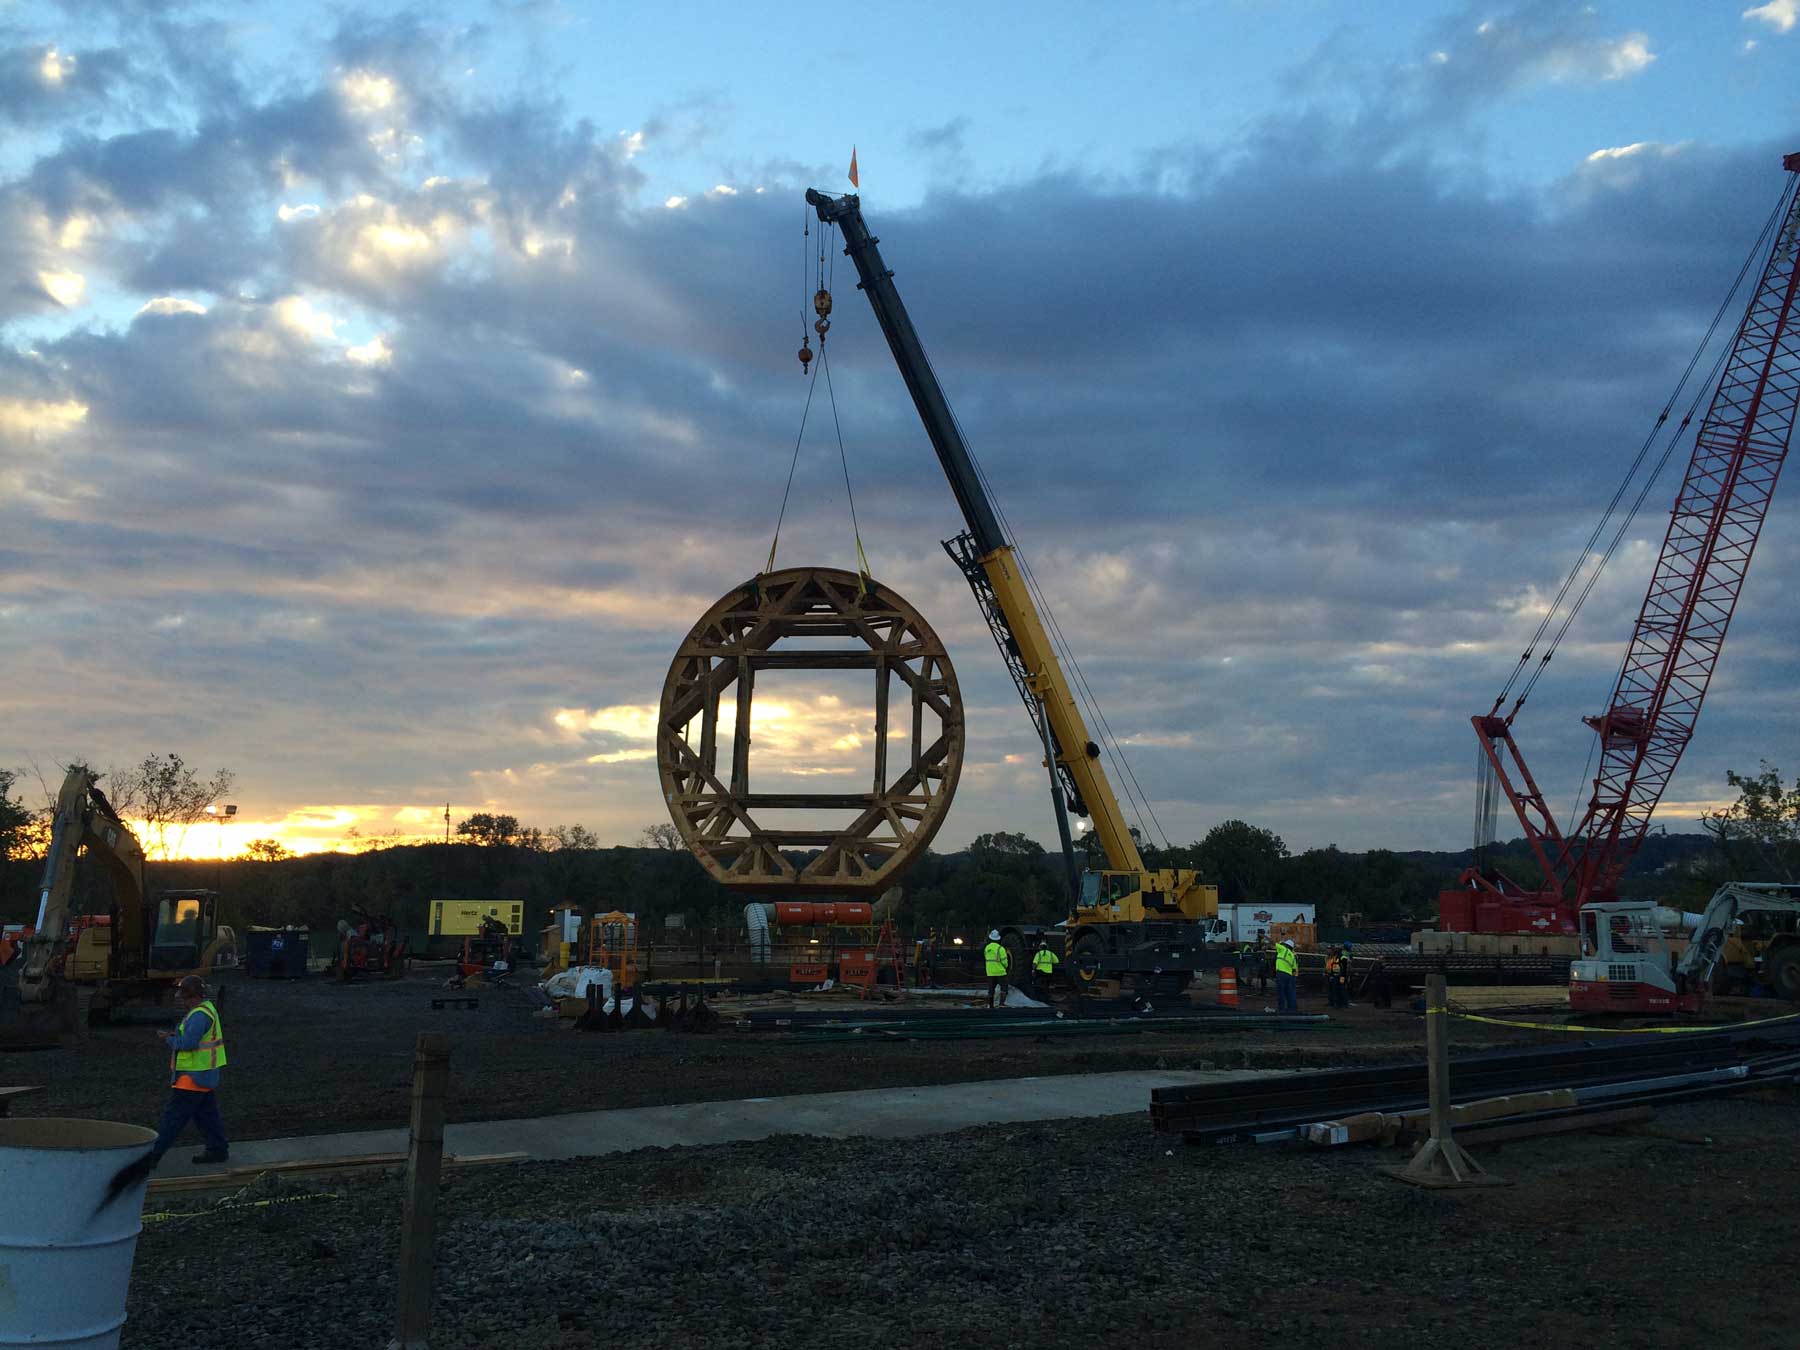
1286, 993
202, 1108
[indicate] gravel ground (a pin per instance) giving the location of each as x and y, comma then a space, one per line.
314, 1057
1076, 1233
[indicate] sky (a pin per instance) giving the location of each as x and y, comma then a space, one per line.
384, 391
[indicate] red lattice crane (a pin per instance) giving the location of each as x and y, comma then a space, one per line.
1680, 630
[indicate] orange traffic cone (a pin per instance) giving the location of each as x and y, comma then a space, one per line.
1228, 986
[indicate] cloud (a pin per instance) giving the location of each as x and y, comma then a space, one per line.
1781, 15
437, 446
168, 304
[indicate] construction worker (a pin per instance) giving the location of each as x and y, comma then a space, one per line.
196, 1054
1287, 976
1043, 964
922, 962
1264, 958
997, 961
1337, 978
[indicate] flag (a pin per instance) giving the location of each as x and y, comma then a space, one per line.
854, 180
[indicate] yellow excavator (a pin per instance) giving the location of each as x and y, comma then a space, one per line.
131, 957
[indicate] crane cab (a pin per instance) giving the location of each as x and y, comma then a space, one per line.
1169, 894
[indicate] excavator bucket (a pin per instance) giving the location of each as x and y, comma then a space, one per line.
59, 1021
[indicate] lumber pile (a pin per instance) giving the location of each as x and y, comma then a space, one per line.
233, 1177
1478, 998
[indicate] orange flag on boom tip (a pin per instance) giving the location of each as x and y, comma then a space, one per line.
854, 180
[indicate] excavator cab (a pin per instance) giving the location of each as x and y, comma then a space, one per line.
186, 922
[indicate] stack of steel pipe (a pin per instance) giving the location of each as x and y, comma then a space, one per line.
1277, 1106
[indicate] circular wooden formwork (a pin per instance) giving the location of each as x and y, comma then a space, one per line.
831, 620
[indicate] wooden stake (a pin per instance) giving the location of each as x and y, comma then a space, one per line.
1440, 1163
418, 1224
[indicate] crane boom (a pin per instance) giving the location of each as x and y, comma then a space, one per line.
1718, 515
1680, 630
989, 562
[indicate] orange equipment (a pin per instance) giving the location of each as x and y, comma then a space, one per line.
613, 943
370, 946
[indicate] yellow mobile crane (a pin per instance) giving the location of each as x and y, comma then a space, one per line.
1126, 919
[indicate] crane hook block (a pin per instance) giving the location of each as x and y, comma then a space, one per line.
805, 355
822, 302
822, 327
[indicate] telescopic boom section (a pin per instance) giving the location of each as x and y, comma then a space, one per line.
984, 554
1718, 514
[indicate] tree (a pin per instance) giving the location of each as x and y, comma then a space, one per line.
576, 837
166, 795
267, 850
663, 836
15, 819
489, 829
1760, 832
1007, 845
1244, 860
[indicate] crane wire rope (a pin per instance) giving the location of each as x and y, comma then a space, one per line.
1619, 534
825, 274
1550, 613
1593, 745
1114, 752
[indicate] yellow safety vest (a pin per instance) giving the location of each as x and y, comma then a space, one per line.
1287, 961
999, 961
1043, 962
210, 1054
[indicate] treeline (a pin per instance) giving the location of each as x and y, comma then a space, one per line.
1001, 878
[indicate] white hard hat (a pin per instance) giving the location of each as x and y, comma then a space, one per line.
1287, 942
993, 935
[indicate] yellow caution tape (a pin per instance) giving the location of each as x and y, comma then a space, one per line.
169, 1216
1615, 1031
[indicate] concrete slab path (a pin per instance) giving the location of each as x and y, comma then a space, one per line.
893, 1113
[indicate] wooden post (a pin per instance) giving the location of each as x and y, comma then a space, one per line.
424, 1160
1440, 1163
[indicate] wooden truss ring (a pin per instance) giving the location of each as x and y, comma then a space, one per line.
743, 633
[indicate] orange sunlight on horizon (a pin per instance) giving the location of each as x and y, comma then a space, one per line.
303, 830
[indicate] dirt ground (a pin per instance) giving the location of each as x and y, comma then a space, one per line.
1089, 1232
312, 1057
1077, 1233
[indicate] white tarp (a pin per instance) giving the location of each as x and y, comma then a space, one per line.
577, 980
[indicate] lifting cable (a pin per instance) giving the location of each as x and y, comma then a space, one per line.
1102, 730
1575, 572
821, 304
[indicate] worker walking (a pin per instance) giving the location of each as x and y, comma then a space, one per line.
1287, 977
1043, 965
196, 1054
998, 964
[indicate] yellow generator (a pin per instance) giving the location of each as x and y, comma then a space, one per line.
453, 920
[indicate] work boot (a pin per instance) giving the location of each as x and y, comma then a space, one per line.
210, 1157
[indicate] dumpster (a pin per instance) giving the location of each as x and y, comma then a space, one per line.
277, 953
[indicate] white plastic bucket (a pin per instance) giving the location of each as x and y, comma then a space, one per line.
65, 1268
